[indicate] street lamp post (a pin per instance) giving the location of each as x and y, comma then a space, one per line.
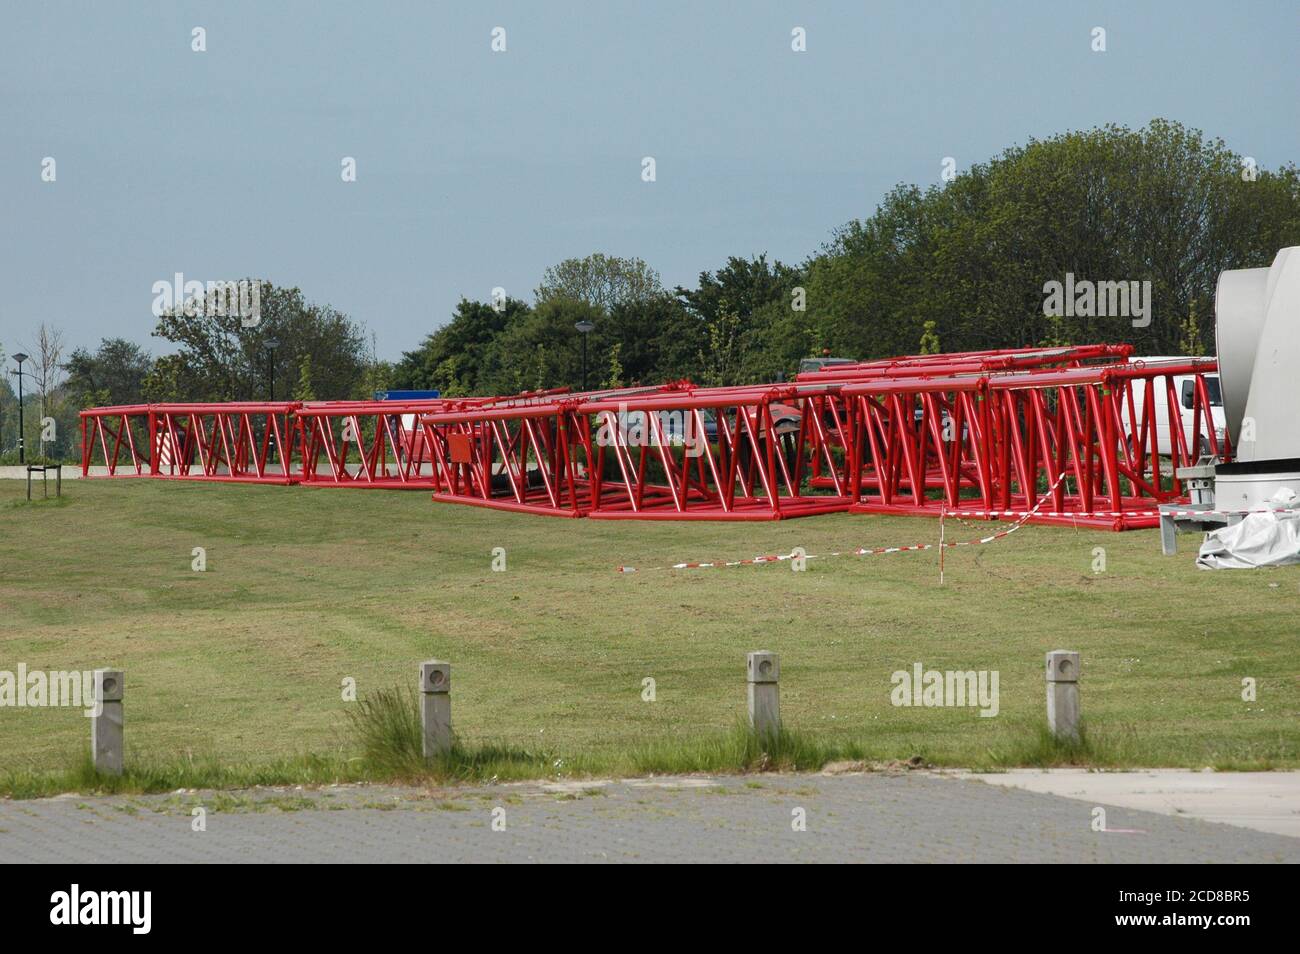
586, 328
20, 358
271, 345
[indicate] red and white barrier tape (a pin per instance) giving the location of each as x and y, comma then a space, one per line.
859, 551
1110, 513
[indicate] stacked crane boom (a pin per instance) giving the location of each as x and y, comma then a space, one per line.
990, 431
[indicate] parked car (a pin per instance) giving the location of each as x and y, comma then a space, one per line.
816, 364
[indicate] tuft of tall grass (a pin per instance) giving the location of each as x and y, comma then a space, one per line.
149, 775
386, 728
741, 750
385, 724
1037, 747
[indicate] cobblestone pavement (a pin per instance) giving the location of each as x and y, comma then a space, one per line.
872, 817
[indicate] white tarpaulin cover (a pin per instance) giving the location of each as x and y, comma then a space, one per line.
1260, 539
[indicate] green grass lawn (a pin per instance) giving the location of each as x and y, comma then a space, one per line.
243, 663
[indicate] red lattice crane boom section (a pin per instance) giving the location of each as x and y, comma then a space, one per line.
989, 431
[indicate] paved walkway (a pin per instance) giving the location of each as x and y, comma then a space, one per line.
1266, 801
70, 472
874, 817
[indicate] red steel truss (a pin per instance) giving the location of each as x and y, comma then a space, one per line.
666, 453
997, 442
245, 442
362, 443
988, 432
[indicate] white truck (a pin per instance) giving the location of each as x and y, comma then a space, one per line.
1186, 386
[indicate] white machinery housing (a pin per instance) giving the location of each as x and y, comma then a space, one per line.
1257, 314
1257, 332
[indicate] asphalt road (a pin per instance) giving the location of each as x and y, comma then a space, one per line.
869, 817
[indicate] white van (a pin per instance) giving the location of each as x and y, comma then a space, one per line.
1186, 389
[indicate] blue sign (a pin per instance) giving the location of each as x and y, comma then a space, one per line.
406, 395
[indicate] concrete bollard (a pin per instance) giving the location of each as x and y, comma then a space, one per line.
106, 726
435, 706
763, 673
1063, 694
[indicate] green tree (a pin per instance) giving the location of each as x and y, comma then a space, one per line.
112, 374
960, 266
542, 349
376, 376
614, 372
721, 362
929, 340
1162, 204
747, 306
219, 359
657, 339
304, 390
602, 281
741, 286
451, 358
1190, 341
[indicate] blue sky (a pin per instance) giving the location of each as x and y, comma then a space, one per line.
478, 169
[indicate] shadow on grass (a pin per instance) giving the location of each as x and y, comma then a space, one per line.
50, 502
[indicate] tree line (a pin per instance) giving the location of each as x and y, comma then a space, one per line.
963, 264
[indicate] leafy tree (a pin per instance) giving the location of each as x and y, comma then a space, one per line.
113, 374
657, 339
741, 286
1162, 204
860, 287
451, 358
304, 390
929, 340
377, 375
960, 266
721, 362
773, 344
542, 349
602, 281
747, 307
614, 372
163, 382
220, 360
1190, 342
